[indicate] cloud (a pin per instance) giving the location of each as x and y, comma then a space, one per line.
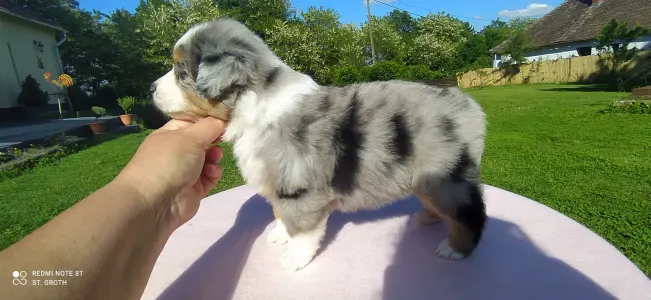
373, 1
534, 9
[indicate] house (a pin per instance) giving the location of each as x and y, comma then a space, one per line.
28, 45
571, 29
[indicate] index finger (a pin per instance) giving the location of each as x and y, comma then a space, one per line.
176, 124
207, 130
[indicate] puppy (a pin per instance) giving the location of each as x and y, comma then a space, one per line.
312, 149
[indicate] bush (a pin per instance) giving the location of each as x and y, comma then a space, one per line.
382, 71
79, 99
632, 107
421, 73
126, 103
99, 111
149, 115
347, 75
31, 94
105, 97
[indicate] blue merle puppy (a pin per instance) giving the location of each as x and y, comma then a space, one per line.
312, 149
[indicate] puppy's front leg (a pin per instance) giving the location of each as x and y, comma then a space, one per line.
278, 234
306, 230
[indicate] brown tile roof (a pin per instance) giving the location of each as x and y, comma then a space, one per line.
12, 8
579, 20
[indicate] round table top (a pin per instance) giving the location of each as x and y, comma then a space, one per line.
528, 251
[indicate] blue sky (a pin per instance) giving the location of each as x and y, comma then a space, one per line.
477, 12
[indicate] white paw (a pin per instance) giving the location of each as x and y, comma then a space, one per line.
278, 234
426, 218
299, 253
445, 251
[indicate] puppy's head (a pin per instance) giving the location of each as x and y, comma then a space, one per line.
213, 63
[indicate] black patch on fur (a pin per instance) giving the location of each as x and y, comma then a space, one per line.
445, 91
293, 195
348, 140
448, 129
213, 58
325, 104
462, 166
401, 144
471, 214
272, 77
303, 126
239, 43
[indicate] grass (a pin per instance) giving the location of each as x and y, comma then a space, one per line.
546, 142
550, 143
32, 199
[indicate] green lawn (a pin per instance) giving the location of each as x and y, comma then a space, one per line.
546, 142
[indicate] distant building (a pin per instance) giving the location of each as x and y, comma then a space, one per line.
572, 28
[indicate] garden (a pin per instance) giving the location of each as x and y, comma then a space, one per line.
581, 149
557, 144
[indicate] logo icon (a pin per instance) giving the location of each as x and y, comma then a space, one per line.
19, 278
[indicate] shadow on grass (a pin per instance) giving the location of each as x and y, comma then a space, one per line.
583, 88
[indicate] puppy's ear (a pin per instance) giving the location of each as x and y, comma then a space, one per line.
223, 71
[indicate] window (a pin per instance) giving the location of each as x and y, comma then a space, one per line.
584, 51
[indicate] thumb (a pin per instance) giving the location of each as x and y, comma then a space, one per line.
206, 131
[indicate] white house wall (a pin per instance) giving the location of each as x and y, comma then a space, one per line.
17, 44
568, 51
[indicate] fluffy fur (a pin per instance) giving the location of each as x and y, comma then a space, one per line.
312, 149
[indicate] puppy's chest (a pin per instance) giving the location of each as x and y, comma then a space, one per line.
248, 150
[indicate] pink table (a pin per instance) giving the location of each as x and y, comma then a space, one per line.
528, 252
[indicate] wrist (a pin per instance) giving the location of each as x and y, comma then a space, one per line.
149, 205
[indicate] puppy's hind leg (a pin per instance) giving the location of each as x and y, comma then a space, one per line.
428, 215
459, 201
306, 229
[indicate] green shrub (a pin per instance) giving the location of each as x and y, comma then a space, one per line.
421, 73
347, 75
31, 94
126, 103
384, 70
80, 100
105, 97
636, 107
148, 115
98, 111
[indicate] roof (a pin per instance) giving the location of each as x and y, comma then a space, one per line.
579, 20
12, 8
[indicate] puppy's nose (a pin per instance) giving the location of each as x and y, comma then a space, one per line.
152, 88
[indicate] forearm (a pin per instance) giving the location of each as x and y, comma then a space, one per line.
110, 236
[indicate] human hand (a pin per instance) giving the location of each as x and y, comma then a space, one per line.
175, 167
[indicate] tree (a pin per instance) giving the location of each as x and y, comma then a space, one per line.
318, 44
517, 46
438, 41
403, 22
134, 75
388, 41
615, 38
163, 24
258, 15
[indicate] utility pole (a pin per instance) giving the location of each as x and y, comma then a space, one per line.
370, 29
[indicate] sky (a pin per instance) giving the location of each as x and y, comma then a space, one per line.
477, 12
